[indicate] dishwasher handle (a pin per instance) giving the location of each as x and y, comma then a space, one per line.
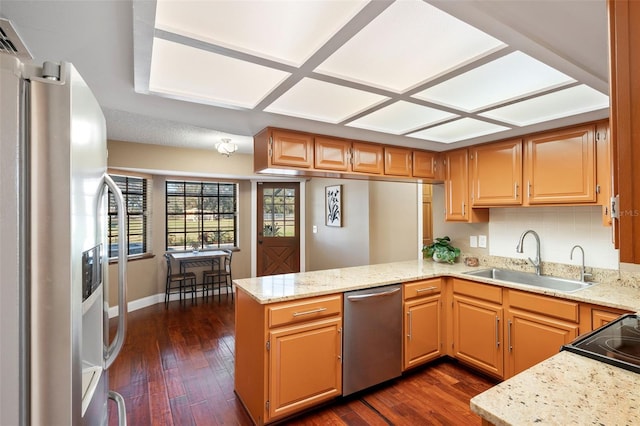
357, 297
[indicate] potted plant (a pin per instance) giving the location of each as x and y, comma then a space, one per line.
441, 250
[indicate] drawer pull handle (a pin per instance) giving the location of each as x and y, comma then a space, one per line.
312, 311
420, 290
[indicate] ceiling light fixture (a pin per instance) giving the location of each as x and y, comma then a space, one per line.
226, 147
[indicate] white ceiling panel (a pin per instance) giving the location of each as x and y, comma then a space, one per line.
513, 76
183, 71
409, 43
401, 117
285, 31
458, 130
319, 100
382, 48
564, 103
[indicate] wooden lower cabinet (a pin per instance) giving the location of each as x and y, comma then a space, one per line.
423, 322
288, 355
536, 328
600, 317
533, 338
594, 316
477, 334
304, 366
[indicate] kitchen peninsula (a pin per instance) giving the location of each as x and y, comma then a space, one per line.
297, 311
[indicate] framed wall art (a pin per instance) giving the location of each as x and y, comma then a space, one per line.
333, 205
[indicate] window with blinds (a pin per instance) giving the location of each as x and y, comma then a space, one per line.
135, 192
201, 215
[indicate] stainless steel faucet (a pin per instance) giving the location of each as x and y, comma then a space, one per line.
583, 271
519, 248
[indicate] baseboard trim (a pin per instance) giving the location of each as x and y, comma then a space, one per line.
145, 302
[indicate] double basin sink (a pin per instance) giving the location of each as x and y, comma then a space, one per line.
543, 281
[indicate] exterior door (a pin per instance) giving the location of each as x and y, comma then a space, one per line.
278, 228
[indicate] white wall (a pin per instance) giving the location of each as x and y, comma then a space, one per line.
379, 224
393, 221
333, 247
560, 228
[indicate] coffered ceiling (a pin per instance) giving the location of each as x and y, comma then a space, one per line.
426, 74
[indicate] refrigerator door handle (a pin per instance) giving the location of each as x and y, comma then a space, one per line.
114, 348
122, 413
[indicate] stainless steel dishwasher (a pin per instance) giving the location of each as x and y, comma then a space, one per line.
372, 347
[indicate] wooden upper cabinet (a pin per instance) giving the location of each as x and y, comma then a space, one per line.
456, 190
424, 164
456, 185
624, 60
291, 149
331, 154
496, 174
603, 171
367, 158
397, 161
309, 154
560, 167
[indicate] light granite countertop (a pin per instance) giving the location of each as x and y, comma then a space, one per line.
278, 288
566, 389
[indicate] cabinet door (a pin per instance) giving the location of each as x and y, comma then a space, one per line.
291, 149
424, 164
331, 154
603, 171
477, 334
367, 158
456, 188
304, 366
496, 174
423, 330
397, 161
561, 167
533, 338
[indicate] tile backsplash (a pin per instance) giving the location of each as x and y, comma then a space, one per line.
559, 228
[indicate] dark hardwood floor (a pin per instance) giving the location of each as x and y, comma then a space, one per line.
176, 368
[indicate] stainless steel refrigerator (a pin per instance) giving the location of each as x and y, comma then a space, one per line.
54, 335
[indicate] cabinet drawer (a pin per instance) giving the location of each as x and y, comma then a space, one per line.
422, 288
304, 310
549, 306
477, 290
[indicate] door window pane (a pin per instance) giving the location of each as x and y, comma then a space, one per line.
279, 212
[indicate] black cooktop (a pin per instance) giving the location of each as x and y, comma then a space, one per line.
616, 343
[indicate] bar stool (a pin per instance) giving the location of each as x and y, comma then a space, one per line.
184, 280
219, 276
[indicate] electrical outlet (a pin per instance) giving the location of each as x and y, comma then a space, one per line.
482, 241
314, 229
473, 241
